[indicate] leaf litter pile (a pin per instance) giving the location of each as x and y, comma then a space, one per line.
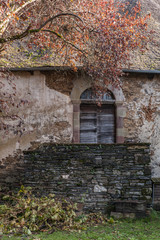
23, 213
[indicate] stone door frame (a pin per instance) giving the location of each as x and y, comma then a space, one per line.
80, 85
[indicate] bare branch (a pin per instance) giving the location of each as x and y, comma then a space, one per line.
29, 31
59, 15
5, 23
18, 36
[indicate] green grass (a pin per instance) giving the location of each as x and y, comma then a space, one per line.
144, 229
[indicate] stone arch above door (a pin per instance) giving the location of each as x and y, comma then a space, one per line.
80, 85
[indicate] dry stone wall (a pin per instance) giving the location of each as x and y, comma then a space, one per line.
92, 175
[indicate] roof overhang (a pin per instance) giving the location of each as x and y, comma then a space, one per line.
64, 68
141, 71
44, 68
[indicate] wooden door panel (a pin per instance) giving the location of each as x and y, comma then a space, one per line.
106, 124
104, 139
97, 123
88, 116
88, 125
88, 137
88, 108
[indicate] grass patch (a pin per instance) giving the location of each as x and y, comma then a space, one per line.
144, 229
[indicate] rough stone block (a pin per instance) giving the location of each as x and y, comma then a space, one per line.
116, 215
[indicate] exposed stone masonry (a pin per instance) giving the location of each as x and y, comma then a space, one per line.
142, 120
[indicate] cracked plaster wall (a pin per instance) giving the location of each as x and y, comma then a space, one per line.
47, 115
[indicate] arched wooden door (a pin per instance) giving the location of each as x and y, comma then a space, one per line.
97, 123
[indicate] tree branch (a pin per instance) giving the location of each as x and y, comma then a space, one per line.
59, 15
60, 36
18, 36
5, 23
28, 31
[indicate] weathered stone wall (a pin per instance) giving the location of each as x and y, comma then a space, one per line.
142, 120
90, 174
46, 114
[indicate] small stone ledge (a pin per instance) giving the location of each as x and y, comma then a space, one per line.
129, 209
119, 215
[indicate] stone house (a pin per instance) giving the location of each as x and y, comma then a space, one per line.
59, 99
61, 108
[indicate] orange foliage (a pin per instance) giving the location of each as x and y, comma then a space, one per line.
98, 35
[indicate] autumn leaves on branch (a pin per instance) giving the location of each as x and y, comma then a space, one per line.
98, 35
